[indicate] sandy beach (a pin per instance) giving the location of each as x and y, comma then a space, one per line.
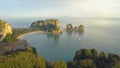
42, 32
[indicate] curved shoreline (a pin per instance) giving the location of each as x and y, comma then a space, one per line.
22, 35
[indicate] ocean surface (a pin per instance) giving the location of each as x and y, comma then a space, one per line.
101, 34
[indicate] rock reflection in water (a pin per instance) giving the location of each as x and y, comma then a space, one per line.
69, 32
74, 33
56, 37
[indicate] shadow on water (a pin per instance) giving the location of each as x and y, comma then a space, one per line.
56, 37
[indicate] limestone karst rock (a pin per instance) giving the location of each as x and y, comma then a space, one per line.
79, 28
69, 27
49, 25
5, 29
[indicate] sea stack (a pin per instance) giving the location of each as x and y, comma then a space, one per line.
71, 28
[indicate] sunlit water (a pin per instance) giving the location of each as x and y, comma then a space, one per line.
103, 35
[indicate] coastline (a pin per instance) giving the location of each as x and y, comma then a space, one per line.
42, 32
22, 35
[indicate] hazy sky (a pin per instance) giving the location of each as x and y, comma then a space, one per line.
58, 8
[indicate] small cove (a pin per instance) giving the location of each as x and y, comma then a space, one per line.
102, 37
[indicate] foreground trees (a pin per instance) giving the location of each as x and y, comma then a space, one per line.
87, 63
88, 58
59, 64
84, 58
22, 59
10, 38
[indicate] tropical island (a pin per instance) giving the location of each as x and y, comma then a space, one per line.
18, 54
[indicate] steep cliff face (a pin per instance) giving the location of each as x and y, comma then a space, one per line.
5, 28
49, 25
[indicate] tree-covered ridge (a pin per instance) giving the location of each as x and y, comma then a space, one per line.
49, 25
59, 64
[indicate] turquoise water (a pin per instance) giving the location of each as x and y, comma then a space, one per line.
101, 34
